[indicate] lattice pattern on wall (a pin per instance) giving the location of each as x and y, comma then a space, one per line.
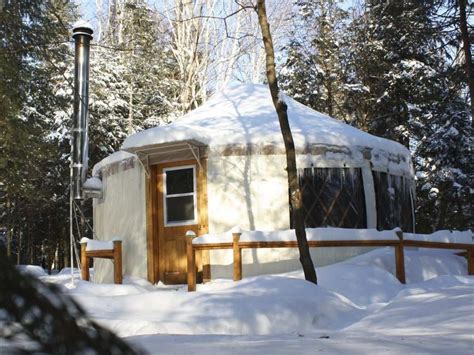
394, 204
333, 197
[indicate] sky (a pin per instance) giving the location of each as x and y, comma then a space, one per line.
88, 13
88, 8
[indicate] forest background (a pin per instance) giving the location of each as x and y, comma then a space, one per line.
398, 69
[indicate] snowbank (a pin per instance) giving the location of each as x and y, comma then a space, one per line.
128, 288
33, 270
357, 307
420, 265
272, 304
312, 234
432, 317
259, 305
442, 310
364, 285
67, 271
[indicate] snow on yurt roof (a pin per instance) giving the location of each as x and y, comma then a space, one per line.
111, 159
244, 115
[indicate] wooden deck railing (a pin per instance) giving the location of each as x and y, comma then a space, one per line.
114, 254
398, 246
467, 248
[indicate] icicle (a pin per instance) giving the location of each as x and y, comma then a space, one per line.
412, 203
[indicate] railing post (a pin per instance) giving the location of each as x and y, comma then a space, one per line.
84, 262
118, 276
237, 256
400, 258
470, 261
191, 257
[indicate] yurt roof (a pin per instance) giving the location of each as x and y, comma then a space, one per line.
242, 120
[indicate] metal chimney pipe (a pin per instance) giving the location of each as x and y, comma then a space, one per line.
82, 35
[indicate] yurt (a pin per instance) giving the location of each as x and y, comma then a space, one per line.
223, 165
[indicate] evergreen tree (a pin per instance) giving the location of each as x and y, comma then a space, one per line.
33, 37
445, 164
396, 77
131, 79
395, 56
414, 96
49, 320
149, 68
314, 72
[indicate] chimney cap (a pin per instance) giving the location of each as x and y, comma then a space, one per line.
82, 27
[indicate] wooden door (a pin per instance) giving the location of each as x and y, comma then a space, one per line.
182, 207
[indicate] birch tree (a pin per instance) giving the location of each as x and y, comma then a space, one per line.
281, 109
217, 42
190, 33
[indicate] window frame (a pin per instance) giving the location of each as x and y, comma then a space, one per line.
165, 196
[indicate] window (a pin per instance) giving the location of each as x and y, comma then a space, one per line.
180, 196
332, 197
394, 201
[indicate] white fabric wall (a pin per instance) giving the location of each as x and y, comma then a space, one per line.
248, 191
122, 213
252, 192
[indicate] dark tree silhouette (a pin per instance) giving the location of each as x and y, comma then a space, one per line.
38, 317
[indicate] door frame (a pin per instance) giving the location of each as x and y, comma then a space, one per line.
155, 259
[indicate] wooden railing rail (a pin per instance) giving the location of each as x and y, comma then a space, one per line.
468, 249
114, 254
398, 245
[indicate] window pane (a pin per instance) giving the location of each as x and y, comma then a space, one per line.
394, 206
333, 197
180, 208
179, 181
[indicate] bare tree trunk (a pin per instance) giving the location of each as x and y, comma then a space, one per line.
100, 20
65, 254
9, 242
130, 108
467, 52
281, 109
29, 238
130, 86
61, 250
9, 229
48, 247
18, 248
112, 24
190, 31
330, 99
226, 67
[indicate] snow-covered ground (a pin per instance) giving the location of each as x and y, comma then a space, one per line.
358, 307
